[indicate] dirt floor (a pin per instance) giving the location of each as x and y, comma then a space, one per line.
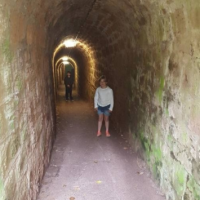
84, 167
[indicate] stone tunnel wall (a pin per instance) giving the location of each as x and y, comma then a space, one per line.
152, 64
88, 75
149, 50
26, 103
164, 94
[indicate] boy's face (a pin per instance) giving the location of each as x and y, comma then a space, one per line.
68, 74
103, 83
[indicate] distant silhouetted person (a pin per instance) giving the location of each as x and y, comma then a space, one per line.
69, 81
103, 104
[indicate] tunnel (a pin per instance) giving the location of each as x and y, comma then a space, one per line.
149, 50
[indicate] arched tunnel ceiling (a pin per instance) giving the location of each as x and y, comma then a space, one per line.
149, 52
75, 53
70, 18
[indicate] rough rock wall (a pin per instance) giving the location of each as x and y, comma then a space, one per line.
149, 50
26, 104
151, 58
87, 71
164, 94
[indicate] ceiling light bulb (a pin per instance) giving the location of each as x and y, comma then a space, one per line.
70, 43
65, 62
65, 58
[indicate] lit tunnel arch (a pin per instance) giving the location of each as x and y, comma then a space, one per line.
73, 63
84, 70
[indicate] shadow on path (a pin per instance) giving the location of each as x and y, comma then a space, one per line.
84, 167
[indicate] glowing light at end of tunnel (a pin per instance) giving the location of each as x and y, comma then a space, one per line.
65, 62
65, 58
70, 43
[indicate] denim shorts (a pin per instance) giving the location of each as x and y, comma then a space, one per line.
103, 110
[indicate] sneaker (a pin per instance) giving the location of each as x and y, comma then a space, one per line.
98, 133
107, 134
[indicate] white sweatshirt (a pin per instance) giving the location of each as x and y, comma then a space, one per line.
104, 97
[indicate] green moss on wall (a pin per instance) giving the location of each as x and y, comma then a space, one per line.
5, 49
184, 138
19, 84
170, 142
166, 112
179, 182
153, 154
156, 171
160, 90
1, 189
156, 157
145, 144
12, 125
16, 103
157, 153
194, 187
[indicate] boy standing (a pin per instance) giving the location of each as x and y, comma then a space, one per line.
69, 81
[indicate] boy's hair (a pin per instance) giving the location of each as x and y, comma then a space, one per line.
68, 72
103, 78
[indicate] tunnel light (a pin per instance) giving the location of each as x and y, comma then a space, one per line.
65, 62
70, 43
65, 58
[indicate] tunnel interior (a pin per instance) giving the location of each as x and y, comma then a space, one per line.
82, 59
150, 52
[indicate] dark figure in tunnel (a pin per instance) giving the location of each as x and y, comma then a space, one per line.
103, 104
69, 81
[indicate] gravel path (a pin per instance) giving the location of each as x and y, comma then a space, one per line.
84, 167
